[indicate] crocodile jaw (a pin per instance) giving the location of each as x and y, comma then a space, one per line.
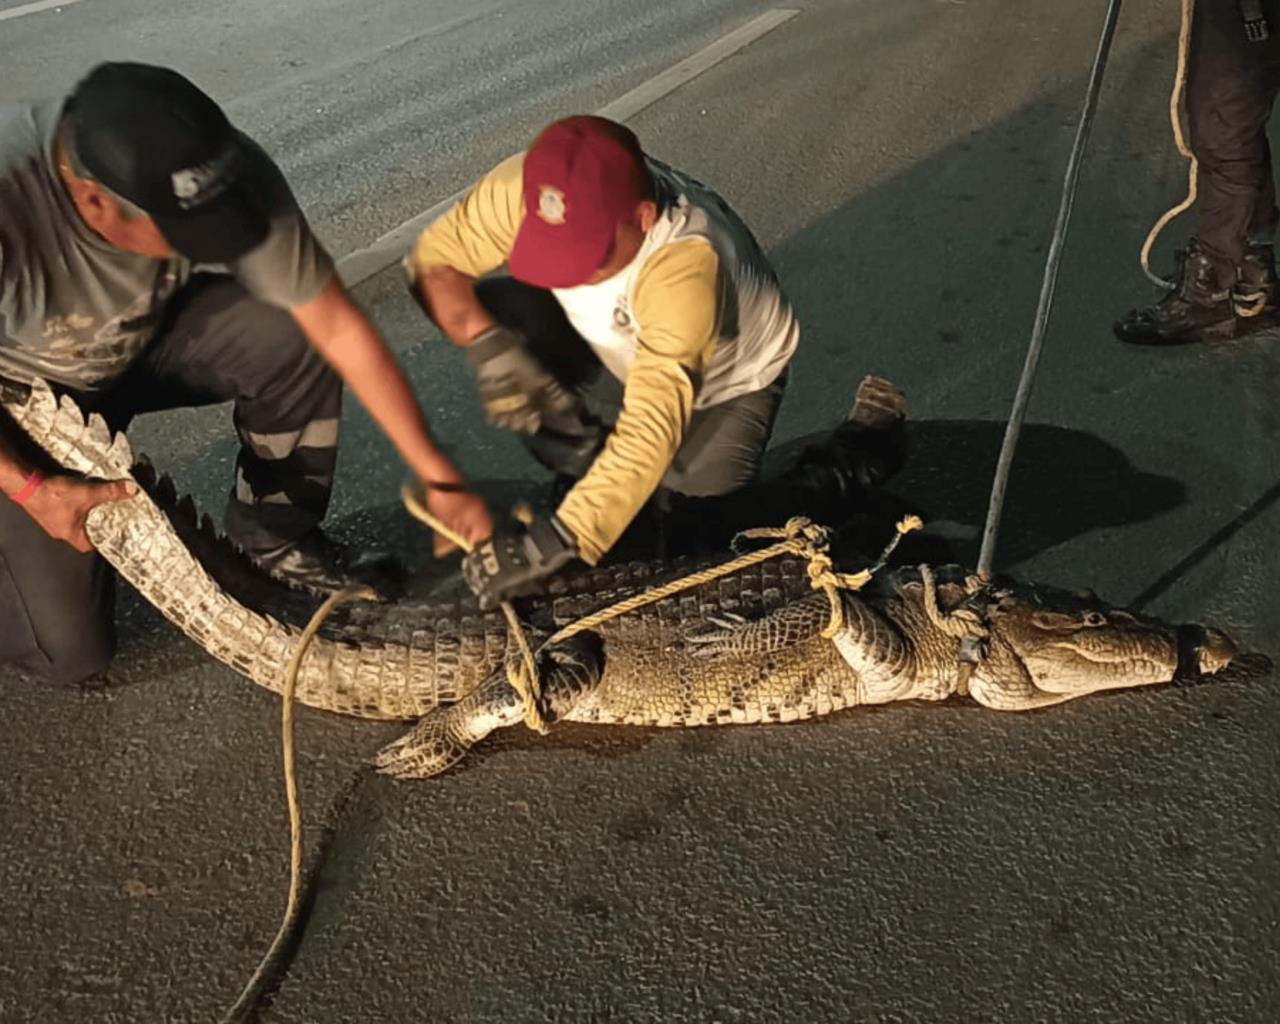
1088, 662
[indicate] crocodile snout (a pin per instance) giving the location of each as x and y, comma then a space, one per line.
1214, 650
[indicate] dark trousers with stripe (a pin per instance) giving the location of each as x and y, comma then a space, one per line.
218, 343
1232, 85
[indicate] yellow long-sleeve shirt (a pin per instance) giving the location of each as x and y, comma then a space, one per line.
657, 325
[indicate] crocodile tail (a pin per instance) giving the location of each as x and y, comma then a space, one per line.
60, 429
371, 680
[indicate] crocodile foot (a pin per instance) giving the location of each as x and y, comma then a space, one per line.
437, 743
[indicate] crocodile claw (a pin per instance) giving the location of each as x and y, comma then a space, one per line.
714, 635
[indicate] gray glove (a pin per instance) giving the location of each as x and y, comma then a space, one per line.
518, 561
514, 388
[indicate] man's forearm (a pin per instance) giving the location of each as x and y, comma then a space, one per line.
656, 408
378, 382
449, 299
349, 343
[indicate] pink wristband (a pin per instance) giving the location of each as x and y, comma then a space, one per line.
29, 488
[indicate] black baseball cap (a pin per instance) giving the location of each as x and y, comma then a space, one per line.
150, 135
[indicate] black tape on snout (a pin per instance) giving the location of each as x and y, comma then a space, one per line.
1191, 641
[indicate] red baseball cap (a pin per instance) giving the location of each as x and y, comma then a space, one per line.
583, 176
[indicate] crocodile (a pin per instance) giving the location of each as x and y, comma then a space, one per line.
912, 634
748, 647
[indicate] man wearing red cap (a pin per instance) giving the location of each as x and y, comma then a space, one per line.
108, 202
616, 262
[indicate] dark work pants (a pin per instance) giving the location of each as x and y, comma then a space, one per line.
1231, 86
217, 344
722, 447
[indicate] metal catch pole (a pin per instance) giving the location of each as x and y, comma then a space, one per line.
1070, 182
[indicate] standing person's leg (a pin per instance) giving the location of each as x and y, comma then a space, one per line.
219, 343
1257, 288
56, 604
566, 444
1228, 101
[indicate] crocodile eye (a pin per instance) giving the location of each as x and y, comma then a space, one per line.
1095, 619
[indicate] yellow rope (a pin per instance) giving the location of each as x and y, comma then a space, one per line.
250, 992
1193, 170
523, 675
799, 537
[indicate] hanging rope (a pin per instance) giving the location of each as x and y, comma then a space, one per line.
252, 989
1052, 263
1179, 139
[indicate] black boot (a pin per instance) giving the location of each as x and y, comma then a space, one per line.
322, 565
1198, 309
828, 482
1257, 290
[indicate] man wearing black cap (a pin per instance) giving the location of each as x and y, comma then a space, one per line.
107, 204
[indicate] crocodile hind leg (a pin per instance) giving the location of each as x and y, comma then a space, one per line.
567, 670
736, 637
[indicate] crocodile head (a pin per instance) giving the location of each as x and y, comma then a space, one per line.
1075, 643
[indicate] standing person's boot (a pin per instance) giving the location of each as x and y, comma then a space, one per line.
1198, 309
1257, 290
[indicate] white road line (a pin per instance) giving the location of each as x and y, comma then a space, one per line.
35, 8
362, 264
648, 93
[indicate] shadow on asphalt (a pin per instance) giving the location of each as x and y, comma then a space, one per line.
1208, 546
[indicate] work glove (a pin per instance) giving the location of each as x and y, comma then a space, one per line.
519, 561
514, 388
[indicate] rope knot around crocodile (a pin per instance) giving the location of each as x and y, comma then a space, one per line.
800, 536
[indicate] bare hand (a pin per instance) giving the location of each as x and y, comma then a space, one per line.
464, 513
59, 506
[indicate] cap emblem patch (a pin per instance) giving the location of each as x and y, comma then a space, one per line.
194, 186
551, 207
186, 183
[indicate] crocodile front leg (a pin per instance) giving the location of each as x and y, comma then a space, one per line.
877, 650
567, 671
1001, 682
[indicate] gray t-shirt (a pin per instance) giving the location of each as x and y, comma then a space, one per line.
77, 311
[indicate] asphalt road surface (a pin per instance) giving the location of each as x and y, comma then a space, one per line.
1109, 860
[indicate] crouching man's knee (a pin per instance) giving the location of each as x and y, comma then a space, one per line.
57, 634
